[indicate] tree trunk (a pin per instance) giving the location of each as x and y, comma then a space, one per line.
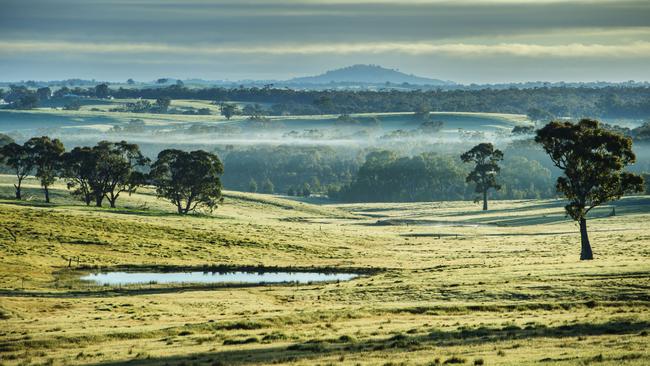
485, 206
112, 198
98, 200
47, 194
18, 196
585, 253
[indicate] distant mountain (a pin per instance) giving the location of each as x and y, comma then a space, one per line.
367, 74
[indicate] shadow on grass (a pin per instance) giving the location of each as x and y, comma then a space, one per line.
625, 206
397, 343
151, 213
64, 202
8, 201
528, 206
81, 207
135, 290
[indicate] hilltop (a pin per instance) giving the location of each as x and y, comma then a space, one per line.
367, 74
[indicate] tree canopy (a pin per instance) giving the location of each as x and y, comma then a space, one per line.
45, 154
228, 110
486, 159
188, 179
18, 159
116, 165
592, 159
104, 171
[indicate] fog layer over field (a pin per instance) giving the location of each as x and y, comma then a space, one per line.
339, 156
396, 130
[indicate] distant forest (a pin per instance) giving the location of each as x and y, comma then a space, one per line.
542, 103
378, 175
608, 102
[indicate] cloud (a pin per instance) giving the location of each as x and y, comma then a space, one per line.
637, 49
301, 21
463, 40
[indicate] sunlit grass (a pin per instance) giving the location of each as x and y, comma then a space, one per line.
504, 287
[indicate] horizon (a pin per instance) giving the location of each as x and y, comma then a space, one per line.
468, 42
290, 80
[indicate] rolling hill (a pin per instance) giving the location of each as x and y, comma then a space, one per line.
367, 74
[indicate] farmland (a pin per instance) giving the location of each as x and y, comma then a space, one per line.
97, 116
302, 182
443, 282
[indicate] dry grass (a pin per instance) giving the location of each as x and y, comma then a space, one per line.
503, 288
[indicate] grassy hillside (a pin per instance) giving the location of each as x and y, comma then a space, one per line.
450, 283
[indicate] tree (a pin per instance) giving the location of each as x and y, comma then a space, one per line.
116, 168
44, 93
61, 92
523, 130
228, 110
17, 158
252, 186
73, 105
45, 155
130, 81
592, 159
188, 179
486, 158
80, 170
29, 101
101, 91
254, 111
16, 92
267, 186
306, 190
162, 104
104, 171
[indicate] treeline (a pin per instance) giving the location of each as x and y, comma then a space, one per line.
346, 174
539, 103
632, 102
109, 169
298, 170
387, 177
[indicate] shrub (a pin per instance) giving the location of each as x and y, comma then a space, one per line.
454, 359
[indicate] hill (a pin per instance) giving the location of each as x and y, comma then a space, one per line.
367, 74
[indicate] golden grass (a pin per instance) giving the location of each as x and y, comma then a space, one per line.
505, 287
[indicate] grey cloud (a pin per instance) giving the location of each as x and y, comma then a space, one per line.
254, 22
465, 40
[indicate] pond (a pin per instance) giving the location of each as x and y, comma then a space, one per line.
130, 278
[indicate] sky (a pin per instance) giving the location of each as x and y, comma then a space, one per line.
467, 41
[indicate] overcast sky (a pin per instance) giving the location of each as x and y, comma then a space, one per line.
467, 41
